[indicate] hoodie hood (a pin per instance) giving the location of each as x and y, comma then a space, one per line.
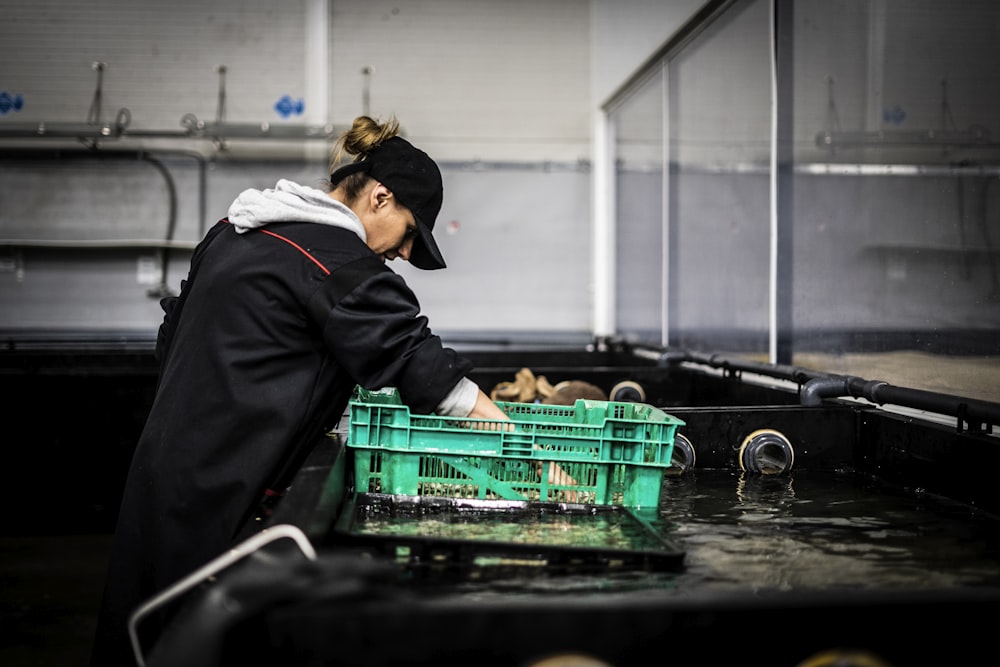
291, 202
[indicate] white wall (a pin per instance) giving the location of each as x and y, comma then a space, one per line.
625, 33
501, 92
470, 79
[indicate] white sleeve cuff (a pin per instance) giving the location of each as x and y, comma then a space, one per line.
461, 400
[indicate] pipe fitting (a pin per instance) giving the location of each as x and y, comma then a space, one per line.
682, 456
815, 390
628, 391
766, 452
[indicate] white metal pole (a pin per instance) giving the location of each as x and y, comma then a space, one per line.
317, 72
603, 227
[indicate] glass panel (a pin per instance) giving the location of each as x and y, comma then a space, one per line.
888, 201
719, 119
895, 199
638, 130
710, 249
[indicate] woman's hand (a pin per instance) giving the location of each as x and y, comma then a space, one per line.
485, 408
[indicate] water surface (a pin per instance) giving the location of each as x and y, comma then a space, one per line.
804, 531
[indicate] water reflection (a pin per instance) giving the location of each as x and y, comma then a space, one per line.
802, 531
822, 531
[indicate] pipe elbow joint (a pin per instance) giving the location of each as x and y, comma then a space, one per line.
815, 390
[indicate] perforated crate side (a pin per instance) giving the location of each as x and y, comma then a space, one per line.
588, 431
496, 478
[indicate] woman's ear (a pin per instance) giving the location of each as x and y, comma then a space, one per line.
380, 196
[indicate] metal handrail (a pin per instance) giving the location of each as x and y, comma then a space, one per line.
237, 553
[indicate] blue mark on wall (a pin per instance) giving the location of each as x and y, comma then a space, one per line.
894, 116
286, 106
10, 102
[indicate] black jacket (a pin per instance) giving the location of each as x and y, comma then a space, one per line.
275, 329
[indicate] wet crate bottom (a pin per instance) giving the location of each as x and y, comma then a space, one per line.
498, 478
448, 534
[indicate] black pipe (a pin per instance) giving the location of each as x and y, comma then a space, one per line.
976, 413
816, 385
780, 371
666, 357
162, 290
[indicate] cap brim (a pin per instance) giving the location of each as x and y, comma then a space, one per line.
425, 253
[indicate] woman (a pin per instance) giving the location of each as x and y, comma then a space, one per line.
287, 306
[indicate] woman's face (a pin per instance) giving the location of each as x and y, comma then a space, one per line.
390, 226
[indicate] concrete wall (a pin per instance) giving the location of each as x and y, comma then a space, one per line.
501, 93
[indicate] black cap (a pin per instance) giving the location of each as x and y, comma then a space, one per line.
415, 181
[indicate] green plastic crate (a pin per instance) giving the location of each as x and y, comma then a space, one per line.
594, 452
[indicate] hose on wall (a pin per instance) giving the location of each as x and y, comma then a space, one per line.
154, 159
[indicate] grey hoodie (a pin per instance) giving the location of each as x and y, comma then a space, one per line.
291, 202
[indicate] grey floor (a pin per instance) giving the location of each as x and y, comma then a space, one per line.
51, 589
